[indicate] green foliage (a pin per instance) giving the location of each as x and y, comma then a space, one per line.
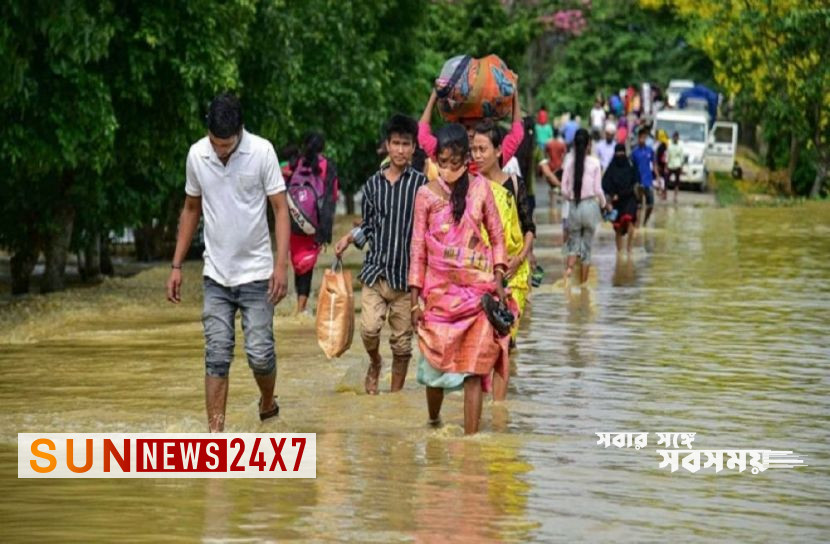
164, 67
316, 65
102, 99
623, 45
726, 191
58, 114
771, 55
343, 68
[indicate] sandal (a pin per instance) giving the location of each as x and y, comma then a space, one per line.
275, 411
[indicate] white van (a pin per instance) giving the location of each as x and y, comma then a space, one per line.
693, 129
722, 146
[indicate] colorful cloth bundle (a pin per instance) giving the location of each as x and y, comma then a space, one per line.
471, 88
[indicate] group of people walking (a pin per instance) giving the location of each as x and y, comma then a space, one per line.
448, 249
634, 165
448, 237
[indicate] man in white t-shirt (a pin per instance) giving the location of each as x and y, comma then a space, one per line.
597, 117
231, 177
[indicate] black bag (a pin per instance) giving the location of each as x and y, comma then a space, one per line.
498, 314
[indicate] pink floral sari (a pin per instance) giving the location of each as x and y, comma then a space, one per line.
453, 267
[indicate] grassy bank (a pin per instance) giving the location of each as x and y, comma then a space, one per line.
741, 192
726, 190
759, 185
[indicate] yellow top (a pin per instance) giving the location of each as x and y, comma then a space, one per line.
514, 240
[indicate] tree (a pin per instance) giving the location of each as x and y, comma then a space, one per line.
59, 128
165, 64
620, 44
102, 100
316, 65
770, 53
343, 68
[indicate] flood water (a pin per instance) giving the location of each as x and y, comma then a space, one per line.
717, 325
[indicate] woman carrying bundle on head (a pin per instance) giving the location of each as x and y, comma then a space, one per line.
512, 140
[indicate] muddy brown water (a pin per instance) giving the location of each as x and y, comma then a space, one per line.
718, 324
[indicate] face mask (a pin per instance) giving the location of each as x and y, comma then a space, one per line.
451, 176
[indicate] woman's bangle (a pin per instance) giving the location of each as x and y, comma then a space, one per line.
416, 307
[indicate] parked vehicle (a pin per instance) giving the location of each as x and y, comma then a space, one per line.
675, 89
722, 147
693, 129
700, 97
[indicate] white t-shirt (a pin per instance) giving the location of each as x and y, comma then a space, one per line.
605, 152
234, 204
512, 168
597, 118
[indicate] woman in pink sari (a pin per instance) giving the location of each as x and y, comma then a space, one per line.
451, 269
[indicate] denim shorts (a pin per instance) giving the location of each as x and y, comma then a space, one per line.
218, 318
649, 193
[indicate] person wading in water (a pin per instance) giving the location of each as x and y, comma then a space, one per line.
452, 272
388, 207
231, 175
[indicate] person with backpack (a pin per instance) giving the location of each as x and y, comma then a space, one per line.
312, 197
388, 208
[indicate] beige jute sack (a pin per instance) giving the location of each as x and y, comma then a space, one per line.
335, 311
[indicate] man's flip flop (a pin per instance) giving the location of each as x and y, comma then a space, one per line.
270, 413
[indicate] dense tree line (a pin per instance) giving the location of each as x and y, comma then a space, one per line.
769, 57
101, 98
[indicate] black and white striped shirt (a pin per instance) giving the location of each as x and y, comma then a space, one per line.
388, 209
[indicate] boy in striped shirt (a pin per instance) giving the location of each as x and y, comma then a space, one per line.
388, 208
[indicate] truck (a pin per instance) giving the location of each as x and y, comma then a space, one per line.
675, 89
692, 127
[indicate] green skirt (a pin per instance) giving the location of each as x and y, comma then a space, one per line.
448, 381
